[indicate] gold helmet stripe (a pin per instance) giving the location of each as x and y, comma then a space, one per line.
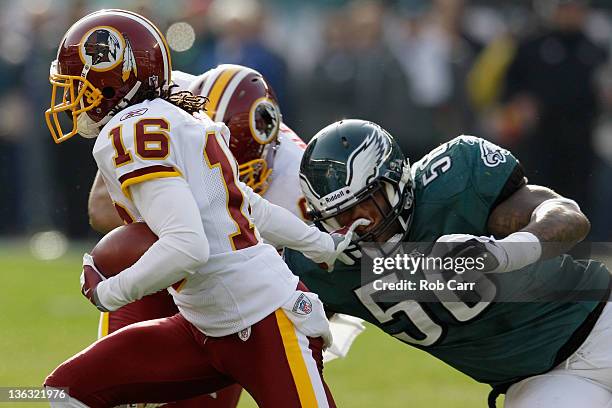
217, 90
229, 92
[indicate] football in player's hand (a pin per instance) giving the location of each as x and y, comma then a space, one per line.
122, 247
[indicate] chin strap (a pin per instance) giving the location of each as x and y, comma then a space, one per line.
89, 129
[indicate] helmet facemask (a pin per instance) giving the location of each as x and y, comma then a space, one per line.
255, 173
78, 96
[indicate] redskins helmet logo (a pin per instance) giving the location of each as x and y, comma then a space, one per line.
264, 120
103, 48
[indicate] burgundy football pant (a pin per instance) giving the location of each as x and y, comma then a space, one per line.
169, 359
156, 306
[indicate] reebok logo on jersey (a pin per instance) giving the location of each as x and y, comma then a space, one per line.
134, 113
302, 305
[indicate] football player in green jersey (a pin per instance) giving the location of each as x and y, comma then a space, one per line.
470, 194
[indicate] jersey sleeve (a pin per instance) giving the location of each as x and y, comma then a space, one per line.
282, 228
170, 210
495, 173
284, 189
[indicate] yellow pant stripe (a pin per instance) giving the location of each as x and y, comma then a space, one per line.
296, 361
104, 324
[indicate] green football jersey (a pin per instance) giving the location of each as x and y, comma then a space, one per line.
457, 186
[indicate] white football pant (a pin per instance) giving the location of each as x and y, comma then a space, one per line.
584, 380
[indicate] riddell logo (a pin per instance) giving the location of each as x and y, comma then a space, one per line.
330, 198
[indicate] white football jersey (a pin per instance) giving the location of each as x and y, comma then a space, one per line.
244, 279
284, 189
284, 186
182, 80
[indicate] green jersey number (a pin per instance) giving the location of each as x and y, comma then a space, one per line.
437, 165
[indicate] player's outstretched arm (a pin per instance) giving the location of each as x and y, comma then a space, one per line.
102, 214
540, 211
171, 212
284, 229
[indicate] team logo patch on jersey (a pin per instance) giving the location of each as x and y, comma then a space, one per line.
491, 154
244, 334
302, 305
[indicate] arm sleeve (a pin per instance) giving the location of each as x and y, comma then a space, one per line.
170, 210
282, 228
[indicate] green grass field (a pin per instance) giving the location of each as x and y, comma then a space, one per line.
44, 320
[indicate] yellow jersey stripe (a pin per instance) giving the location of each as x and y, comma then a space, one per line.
297, 365
145, 177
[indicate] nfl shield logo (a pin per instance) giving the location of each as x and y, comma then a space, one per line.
302, 305
244, 334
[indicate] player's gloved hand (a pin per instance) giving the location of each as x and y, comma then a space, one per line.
514, 252
342, 239
90, 278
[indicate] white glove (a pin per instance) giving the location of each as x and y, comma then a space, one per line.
514, 252
90, 279
345, 330
342, 239
306, 312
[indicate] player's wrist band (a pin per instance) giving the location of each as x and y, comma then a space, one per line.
523, 248
97, 302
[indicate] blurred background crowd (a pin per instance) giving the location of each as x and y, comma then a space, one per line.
532, 76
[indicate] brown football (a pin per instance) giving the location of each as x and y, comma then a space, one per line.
122, 247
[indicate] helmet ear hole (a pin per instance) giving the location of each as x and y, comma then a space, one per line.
108, 92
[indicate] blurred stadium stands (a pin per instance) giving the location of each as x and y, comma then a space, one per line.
425, 70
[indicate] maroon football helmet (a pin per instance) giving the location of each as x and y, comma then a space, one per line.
106, 61
241, 98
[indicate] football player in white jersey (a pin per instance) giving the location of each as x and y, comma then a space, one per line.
268, 153
267, 150
243, 318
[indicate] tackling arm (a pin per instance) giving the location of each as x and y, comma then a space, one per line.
545, 214
102, 214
